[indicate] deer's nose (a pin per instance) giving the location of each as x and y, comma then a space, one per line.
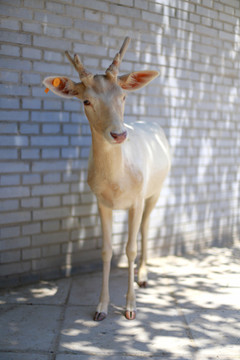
119, 138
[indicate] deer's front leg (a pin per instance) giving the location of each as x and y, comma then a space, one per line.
135, 216
106, 221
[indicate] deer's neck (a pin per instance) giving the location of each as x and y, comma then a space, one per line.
107, 160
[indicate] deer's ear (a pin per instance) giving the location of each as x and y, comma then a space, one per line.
136, 80
64, 87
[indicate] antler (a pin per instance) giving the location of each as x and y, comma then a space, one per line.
113, 68
84, 75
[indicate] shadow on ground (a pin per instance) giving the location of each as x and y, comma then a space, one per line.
190, 310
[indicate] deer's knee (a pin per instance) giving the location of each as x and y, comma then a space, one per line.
107, 254
131, 252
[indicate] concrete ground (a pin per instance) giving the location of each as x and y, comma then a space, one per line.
189, 311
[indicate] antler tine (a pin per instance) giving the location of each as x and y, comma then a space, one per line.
70, 59
124, 47
78, 66
113, 68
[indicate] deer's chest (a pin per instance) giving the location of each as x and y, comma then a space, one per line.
116, 192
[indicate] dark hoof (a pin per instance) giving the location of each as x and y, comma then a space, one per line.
142, 284
99, 316
130, 315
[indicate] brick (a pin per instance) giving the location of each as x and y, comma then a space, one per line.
30, 229
54, 213
53, 56
29, 128
10, 244
71, 129
53, 31
50, 116
31, 104
15, 268
30, 78
15, 64
50, 189
30, 203
9, 77
51, 201
15, 217
33, 4
51, 250
10, 180
8, 205
93, 4
12, 115
89, 49
52, 68
8, 104
49, 141
81, 140
125, 11
84, 210
52, 105
14, 192
10, 256
51, 154
74, 11
55, 7
28, 254
10, 24
70, 153
52, 238
10, 50
8, 154
141, 4
206, 31
9, 232
31, 179
16, 11
52, 225
13, 140
52, 43
52, 178
32, 27
227, 18
30, 154
49, 18
15, 38
32, 53
14, 90
51, 128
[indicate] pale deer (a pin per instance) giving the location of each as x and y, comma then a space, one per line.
127, 163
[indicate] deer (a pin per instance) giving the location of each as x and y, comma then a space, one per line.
127, 165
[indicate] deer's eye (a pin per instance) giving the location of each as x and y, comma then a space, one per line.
87, 102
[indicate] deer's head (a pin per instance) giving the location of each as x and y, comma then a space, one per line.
103, 96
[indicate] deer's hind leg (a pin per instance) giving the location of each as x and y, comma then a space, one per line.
143, 272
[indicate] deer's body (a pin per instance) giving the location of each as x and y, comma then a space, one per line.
127, 164
120, 175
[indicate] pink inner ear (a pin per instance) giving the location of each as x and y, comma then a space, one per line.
141, 76
137, 80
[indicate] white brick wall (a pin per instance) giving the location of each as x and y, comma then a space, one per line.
48, 216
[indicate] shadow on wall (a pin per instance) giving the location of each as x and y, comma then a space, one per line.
199, 90
197, 98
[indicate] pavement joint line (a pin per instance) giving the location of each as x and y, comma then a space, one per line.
195, 348
60, 323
